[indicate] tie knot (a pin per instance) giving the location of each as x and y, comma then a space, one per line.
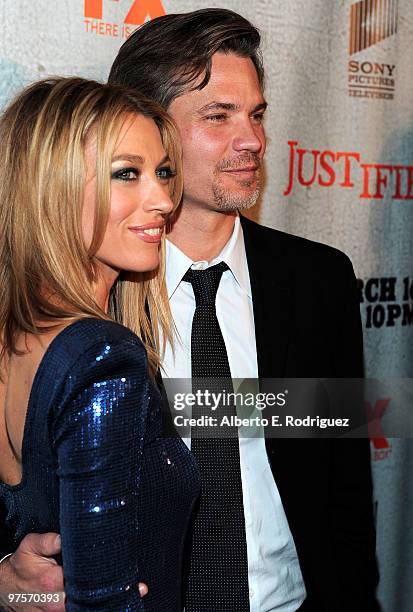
205, 283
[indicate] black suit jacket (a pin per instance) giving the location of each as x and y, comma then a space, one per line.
307, 324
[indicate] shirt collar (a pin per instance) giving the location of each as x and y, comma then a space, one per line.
233, 253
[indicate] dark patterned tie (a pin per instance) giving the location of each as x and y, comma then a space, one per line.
218, 573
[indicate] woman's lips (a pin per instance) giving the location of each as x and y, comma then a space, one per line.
152, 232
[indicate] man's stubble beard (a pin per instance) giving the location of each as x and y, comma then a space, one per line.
227, 200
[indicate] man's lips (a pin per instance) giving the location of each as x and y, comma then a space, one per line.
242, 169
151, 232
245, 172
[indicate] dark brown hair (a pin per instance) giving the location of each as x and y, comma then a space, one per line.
166, 56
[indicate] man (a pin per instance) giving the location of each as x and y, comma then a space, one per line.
296, 316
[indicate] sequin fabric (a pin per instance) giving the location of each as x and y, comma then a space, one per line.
97, 469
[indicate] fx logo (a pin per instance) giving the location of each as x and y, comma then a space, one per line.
138, 12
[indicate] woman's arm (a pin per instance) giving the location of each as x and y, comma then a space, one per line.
98, 436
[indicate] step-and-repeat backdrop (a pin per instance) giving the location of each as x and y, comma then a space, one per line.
338, 169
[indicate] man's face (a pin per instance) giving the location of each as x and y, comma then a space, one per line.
223, 136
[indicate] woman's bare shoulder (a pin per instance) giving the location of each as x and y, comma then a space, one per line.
18, 374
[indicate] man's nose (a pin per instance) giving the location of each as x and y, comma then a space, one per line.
249, 137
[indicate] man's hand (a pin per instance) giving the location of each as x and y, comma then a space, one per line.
31, 569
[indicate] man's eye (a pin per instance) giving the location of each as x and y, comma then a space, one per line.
165, 173
258, 117
217, 118
126, 174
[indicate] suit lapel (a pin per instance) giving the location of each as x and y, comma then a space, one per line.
272, 298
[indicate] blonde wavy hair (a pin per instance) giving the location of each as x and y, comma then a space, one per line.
46, 272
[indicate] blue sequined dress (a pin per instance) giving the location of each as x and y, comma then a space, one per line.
97, 469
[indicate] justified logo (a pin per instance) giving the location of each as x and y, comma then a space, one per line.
345, 169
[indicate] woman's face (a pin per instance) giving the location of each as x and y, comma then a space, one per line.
139, 201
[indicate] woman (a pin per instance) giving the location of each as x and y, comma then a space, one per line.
86, 175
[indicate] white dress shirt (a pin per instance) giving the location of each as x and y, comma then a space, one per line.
274, 575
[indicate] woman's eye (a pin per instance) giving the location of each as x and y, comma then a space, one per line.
125, 174
165, 173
